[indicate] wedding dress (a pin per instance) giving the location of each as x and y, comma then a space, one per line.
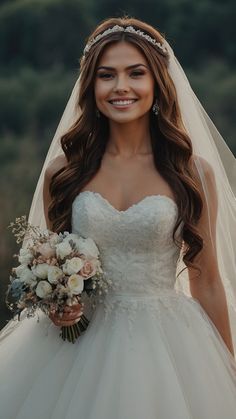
149, 351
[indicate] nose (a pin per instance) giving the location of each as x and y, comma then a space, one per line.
121, 84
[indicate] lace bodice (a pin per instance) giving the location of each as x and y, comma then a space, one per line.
136, 246
137, 253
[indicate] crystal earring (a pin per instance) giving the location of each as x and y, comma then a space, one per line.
155, 107
98, 113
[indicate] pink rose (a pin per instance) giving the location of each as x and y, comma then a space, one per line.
46, 250
88, 269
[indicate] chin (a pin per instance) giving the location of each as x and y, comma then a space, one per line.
125, 118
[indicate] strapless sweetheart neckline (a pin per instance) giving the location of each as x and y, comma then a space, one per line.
136, 204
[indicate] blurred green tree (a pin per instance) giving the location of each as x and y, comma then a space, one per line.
42, 33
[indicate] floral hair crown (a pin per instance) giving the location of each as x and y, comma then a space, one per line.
129, 29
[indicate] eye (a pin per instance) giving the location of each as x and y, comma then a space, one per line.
137, 73
104, 75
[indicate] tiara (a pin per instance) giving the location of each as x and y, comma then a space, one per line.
129, 29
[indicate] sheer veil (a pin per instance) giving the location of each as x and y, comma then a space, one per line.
207, 143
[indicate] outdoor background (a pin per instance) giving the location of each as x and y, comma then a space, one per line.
40, 45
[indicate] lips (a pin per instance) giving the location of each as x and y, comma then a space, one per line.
117, 99
122, 102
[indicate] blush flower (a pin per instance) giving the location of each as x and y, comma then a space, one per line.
89, 269
46, 250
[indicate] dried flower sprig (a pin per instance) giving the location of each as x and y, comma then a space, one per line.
22, 229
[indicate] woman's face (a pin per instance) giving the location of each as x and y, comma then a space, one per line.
124, 85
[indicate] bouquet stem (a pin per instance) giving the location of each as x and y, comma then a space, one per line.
71, 333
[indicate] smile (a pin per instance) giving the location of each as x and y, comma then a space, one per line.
122, 103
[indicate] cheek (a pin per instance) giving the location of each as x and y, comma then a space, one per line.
146, 90
100, 91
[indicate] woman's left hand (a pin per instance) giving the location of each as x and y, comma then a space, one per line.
71, 315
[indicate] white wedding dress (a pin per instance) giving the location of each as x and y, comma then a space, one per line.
149, 351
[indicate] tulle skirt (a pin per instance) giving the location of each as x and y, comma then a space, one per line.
140, 357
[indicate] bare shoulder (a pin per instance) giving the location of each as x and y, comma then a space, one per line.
205, 165
202, 166
207, 180
55, 165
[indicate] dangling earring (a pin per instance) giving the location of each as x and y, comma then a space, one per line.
156, 107
98, 113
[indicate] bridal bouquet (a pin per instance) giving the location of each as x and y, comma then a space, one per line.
56, 270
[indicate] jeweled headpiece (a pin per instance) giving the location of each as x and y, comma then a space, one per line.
129, 29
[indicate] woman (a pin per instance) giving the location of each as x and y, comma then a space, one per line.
130, 178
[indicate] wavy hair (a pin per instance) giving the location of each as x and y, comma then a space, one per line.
85, 142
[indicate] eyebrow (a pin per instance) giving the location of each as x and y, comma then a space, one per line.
127, 68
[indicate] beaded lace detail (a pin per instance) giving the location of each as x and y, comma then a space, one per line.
137, 252
133, 305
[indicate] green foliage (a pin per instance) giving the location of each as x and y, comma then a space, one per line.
45, 32
32, 101
215, 85
42, 33
197, 29
20, 168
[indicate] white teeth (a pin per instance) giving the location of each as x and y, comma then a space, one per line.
122, 102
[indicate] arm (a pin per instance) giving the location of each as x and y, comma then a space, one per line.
208, 288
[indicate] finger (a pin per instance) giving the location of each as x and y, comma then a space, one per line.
73, 308
67, 309
60, 323
72, 314
65, 317
68, 317
67, 323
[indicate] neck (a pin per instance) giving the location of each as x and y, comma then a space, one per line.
129, 139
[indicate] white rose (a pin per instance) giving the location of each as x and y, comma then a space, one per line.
74, 238
25, 256
72, 266
41, 270
43, 289
27, 276
54, 273
88, 247
63, 249
19, 269
54, 239
75, 284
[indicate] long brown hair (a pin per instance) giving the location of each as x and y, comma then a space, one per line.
85, 142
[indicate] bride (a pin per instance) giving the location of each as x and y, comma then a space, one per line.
135, 165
